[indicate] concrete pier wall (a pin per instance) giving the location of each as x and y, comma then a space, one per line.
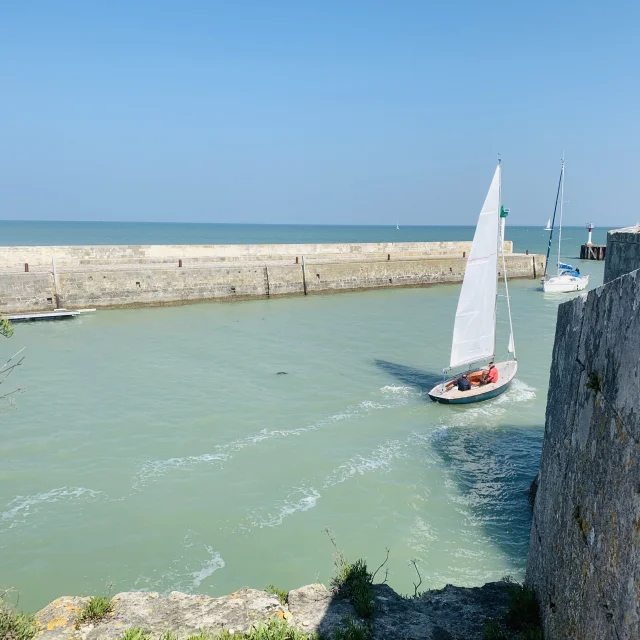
40, 257
623, 252
114, 277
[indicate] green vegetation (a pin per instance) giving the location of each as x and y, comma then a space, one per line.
136, 634
283, 596
354, 581
522, 617
522, 614
6, 328
352, 631
275, 630
493, 631
594, 382
15, 625
96, 609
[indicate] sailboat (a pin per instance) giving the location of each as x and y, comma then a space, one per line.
567, 278
548, 227
474, 330
397, 225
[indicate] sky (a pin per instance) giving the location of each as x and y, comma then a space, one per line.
318, 112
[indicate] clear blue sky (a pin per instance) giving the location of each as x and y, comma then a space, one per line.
362, 112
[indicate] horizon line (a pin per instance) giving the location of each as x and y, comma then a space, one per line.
289, 224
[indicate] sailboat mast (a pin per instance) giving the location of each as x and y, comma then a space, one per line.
553, 224
561, 201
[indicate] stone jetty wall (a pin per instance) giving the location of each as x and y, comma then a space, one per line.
584, 556
120, 276
623, 252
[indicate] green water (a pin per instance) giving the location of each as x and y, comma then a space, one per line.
159, 449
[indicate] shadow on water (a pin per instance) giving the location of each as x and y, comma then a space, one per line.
418, 378
493, 469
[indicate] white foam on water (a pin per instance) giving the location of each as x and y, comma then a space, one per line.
396, 391
21, 507
300, 499
518, 392
380, 459
154, 469
214, 563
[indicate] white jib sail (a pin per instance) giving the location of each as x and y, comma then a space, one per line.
475, 325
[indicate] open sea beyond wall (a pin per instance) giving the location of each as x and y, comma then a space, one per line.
206, 447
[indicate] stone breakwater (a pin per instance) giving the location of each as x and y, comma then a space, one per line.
584, 554
43, 278
446, 614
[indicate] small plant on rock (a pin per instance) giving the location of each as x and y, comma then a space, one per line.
137, 633
351, 631
282, 595
95, 610
493, 631
15, 625
523, 614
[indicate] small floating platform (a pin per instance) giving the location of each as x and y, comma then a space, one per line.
593, 252
58, 314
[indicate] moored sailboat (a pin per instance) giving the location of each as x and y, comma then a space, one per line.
474, 331
567, 278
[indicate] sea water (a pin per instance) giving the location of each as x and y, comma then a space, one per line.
207, 447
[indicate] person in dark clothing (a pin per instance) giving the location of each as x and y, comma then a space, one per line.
463, 383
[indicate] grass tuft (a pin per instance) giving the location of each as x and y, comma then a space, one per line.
95, 610
531, 634
283, 595
137, 633
15, 625
355, 582
274, 630
523, 614
169, 635
351, 631
493, 631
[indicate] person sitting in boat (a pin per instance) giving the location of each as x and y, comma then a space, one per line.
463, 383
491, 376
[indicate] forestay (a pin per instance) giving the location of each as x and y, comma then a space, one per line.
475, 324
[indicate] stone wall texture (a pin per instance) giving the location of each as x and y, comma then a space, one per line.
584, 556
623, 252
104, 277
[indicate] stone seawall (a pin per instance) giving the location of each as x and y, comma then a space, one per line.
104, 277
623, 252
584, 555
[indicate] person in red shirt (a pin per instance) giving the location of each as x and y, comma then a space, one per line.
490, 376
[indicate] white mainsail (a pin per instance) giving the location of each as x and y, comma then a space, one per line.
475, 325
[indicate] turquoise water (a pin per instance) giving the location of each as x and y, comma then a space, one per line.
160, 449
78, 233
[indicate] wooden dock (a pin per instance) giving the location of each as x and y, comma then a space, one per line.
58, 314
593, 252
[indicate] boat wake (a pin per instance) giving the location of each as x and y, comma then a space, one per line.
181, 576
22, 507
153, 470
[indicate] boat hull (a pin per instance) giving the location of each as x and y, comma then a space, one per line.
564, 284
506, 373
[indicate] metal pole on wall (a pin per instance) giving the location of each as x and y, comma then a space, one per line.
304, 277
55, 282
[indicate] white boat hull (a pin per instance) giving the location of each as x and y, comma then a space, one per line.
506, 373
565, 284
